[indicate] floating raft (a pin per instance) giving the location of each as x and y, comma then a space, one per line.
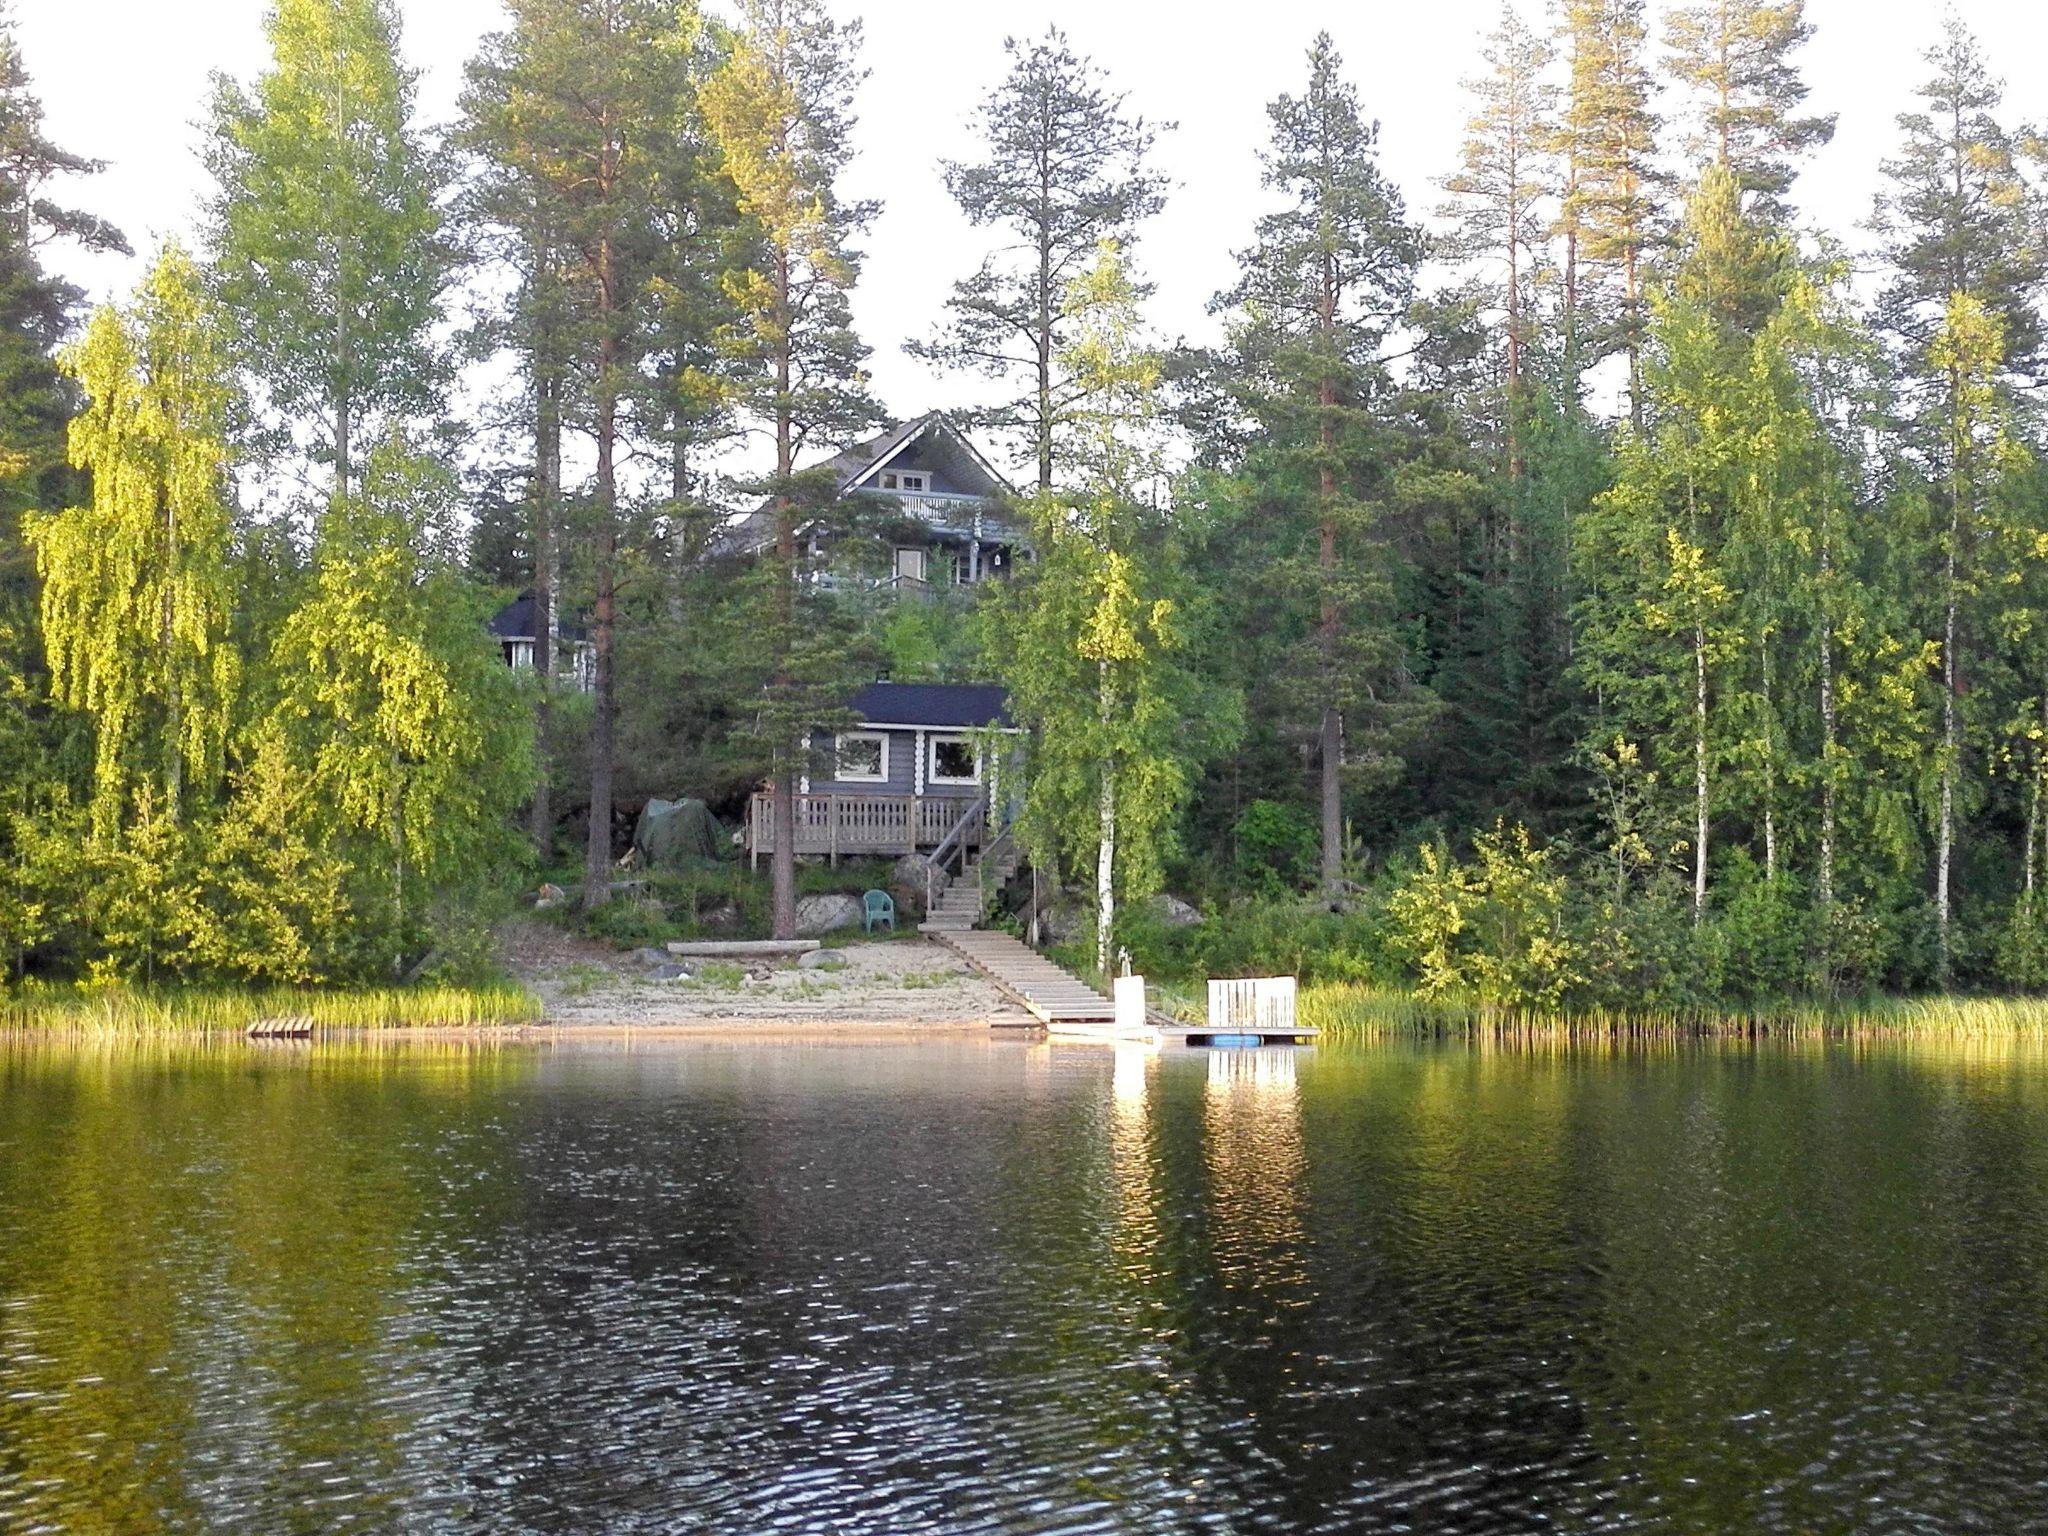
1071, 1009
293, 1026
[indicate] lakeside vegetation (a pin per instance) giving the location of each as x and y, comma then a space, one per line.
181, 1010
1613, 595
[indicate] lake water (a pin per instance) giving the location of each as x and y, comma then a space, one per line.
965, 1286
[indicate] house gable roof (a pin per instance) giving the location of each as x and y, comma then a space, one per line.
858, 466
514, 621
945, 706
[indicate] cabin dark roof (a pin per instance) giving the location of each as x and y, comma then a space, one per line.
953, 705
514, 621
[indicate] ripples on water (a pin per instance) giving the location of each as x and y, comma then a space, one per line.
963, 1287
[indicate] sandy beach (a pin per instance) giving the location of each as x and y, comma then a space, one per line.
896, 985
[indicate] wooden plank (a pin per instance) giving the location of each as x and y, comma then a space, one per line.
738, 949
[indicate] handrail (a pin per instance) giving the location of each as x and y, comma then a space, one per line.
955, 841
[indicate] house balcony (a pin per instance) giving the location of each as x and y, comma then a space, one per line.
863, 826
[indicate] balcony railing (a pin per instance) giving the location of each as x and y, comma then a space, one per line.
859, 824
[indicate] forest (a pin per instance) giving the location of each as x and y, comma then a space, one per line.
1579, 582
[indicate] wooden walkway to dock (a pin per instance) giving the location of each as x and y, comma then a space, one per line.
1048, 993
1066, 1005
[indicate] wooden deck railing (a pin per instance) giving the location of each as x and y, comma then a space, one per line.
860, 824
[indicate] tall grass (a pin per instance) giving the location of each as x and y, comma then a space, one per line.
1367, 1013
165, 1011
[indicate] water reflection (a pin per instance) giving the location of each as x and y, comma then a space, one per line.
987, 1287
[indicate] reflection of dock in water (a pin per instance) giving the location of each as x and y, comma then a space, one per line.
1257, 1162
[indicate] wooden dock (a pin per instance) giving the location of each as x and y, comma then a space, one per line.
1069, 1007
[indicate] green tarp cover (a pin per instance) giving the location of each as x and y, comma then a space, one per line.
674, 834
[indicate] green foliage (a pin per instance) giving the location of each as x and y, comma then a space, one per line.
1492, 929
136, 586
1276, 847
326, 225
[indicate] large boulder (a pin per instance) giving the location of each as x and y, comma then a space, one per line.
817, 915
908, 882
1173, 912
823, 960
1061, 920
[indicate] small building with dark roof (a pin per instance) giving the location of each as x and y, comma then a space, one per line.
918, 759
513, 627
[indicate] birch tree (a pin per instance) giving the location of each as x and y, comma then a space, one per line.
326, 227
137, 584
1095, 648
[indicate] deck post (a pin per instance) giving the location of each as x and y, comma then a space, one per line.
833, 834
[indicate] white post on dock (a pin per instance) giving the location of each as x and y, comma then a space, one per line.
1128, 995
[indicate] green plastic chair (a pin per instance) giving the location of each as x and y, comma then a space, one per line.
877, 907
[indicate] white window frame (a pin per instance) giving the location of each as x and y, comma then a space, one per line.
916, 480
888, 479
839, 772
932, 745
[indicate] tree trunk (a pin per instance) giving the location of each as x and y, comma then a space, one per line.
1043, 337
782, 862
1105, 845
547, 488
1331, 733
1825, 875
1770, 765
597, 868
1699, 773
1951, 724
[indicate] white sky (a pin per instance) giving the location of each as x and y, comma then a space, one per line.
126, 81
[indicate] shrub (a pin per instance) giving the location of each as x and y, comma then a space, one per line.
1492, 929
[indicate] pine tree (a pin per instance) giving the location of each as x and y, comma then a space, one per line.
1063, 168
137, 585
1502, 180
1327, 279
580, 107
1735, 57
1959, 224
326, 228
1606, 134
35, 311
779, 114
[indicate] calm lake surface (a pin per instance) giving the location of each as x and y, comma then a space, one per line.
967, 1286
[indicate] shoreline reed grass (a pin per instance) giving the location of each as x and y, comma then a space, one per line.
179, 1010
1365, 1013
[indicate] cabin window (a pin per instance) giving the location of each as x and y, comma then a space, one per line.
861, 757
888, 479
955, 760
916, 482
910, 564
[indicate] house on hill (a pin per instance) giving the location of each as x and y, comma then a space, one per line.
955, 528
512, 626
926, 762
